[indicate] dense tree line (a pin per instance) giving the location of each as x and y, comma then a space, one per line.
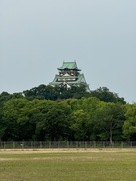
54, 113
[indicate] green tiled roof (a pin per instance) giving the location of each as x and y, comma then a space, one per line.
69, 65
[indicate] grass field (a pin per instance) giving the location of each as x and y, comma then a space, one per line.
68, 165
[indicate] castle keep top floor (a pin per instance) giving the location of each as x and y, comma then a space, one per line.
69, 69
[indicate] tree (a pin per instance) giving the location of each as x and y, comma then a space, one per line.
79, 125
42, 92
4, 96
105, 95
109, 118
52, 120
83, 117
56, 93
129, 127
15, 122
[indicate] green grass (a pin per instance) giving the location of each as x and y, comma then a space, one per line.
97, 165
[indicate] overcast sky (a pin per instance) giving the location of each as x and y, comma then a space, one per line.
36, 36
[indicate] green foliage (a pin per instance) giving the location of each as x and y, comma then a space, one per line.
110, 118
57, 113
56, 93
79, 125
16, 120
52, 121
42, 92
105, 95
129, 128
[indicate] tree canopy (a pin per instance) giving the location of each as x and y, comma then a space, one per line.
54, 113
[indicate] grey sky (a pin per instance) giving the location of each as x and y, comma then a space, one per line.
36, 36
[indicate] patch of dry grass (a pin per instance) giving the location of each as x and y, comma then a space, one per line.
68, 165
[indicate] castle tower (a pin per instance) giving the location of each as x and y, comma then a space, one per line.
69, 75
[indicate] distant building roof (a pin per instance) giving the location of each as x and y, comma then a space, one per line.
69, 65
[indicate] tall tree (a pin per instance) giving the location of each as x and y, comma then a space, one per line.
109, 118
105, 95
52, 121
16, 122
129, 127
42, 92
79, 125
